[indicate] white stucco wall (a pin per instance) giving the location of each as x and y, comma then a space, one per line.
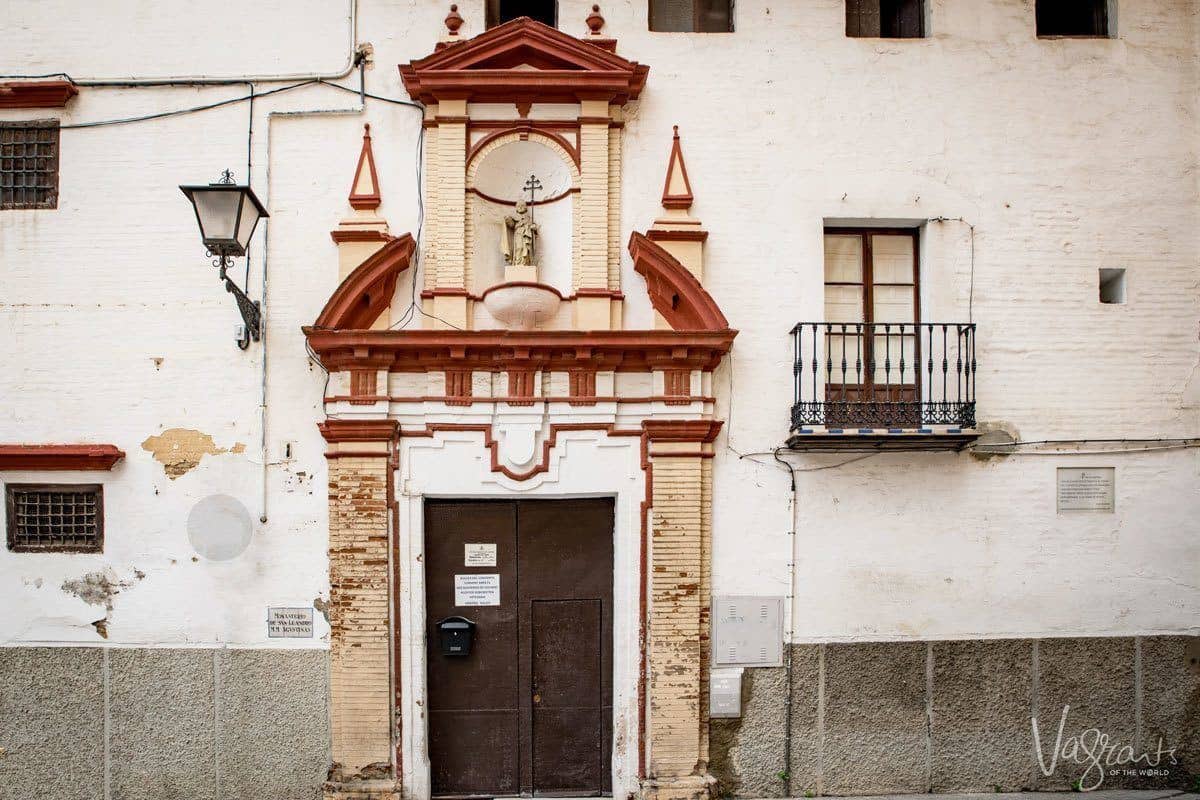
1065, 155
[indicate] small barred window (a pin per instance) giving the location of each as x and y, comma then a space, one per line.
29, 164
63, 518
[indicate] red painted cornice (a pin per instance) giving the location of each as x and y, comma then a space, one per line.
359, 430
367, 291
490, 67
36, 94
674, 292
421, 350
59, 456
695, 430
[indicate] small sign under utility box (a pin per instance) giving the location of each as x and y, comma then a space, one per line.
725, 693
748, 631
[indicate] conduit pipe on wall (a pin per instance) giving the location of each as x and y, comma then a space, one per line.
357, 108
791, 628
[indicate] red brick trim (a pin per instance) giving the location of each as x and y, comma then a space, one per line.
362, 386
358, 235
487, 67
36, 94
458, 387
677, 386
656, 235
359, 430
696, 430
684, 199
582, 387
366, 159
520, 386
526, 128
367, 291
92, 457
497, 351
674, 292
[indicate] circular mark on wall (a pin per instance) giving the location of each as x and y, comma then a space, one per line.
219, 527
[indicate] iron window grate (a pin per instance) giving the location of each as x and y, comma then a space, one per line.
29, 164
55, 518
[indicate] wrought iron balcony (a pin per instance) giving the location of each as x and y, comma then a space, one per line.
900, 377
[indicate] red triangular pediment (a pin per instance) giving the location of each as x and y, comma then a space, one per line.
524, 58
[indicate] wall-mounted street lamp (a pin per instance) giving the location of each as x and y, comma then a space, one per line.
228, 214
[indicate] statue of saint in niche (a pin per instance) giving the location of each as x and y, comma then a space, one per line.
518, 250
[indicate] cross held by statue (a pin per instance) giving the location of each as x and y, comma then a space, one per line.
531, 186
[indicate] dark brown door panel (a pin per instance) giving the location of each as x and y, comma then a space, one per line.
530, 709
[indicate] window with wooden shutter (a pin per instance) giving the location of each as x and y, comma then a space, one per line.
29, 164
885, 19
691, 16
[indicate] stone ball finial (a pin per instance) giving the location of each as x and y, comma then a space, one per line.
454, 20
594, 21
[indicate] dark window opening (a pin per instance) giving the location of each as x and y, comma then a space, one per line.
29, 164
691, 16
1072, 18
885, 19
63, 518
501, 11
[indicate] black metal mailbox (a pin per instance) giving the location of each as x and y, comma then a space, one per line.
455, 635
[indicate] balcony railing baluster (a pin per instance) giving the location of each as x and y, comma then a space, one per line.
890, 392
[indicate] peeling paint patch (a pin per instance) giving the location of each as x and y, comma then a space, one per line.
179, 450
322, 606
96, 588
99, 589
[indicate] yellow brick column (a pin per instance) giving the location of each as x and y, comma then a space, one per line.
450, 212
591, 268
678, 636
360, 600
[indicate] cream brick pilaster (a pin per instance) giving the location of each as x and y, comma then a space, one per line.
359, 458
591, 267
614, 198
429, 256
449, 194
677, 644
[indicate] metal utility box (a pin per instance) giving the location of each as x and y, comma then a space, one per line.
455, 635
725, 693
748, 631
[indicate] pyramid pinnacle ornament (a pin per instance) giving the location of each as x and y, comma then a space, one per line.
364, 191
677, 190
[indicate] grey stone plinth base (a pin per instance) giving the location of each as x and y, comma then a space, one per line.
957, 716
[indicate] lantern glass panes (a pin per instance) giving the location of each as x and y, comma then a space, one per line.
227, 214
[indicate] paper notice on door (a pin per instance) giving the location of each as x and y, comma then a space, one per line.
477, 590
479, 554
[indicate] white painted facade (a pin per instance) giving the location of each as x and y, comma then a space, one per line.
1065, 156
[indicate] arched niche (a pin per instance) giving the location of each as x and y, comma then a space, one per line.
496, 176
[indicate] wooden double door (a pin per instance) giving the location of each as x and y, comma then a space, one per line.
529, 711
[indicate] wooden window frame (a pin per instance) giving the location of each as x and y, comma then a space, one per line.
868, 390
51, 202
868, 268
697, 6
16, 546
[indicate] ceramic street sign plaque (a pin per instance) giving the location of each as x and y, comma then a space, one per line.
290, 623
